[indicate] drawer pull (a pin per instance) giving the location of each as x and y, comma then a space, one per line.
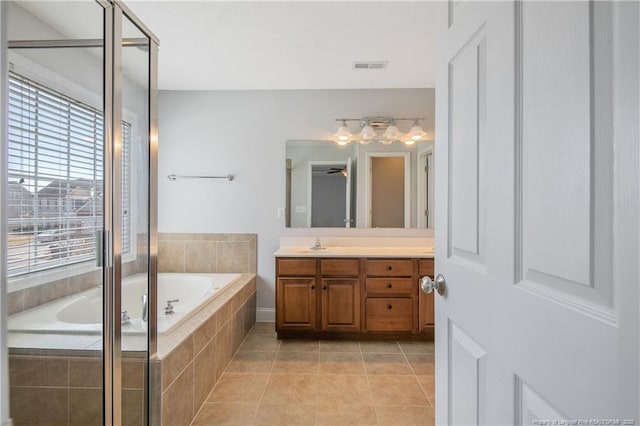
313, 287
389, 285
389, 306
324, 287
389, 268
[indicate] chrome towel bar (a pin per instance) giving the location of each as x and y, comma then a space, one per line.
226, 177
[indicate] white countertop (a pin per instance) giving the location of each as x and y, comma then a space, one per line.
360, 247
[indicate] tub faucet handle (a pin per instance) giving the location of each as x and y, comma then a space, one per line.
125, 319
168, 310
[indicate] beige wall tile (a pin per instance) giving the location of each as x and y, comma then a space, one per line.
85, 407
205, 373
86, 281
133, 412
38, 371
52, 406
200, 256
205, 332
133, 373
15, 302
171, 256
232, 257
223, 351
85, 373
177, 361
177, 400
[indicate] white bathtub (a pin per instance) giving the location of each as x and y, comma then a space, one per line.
82, 312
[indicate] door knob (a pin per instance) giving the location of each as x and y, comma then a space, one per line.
428, 285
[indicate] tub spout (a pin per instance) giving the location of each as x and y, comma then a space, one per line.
145, 308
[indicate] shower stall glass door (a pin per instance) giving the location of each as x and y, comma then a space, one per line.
81, 212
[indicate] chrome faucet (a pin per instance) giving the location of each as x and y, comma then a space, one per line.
317, 245
124, 318
145, 307
168, 310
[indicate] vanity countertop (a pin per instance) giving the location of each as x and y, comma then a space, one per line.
407, 252
404, 247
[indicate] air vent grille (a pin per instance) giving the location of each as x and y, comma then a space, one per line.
370, 65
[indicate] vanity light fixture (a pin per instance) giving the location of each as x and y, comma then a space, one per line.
343, 135
416, 133
381, 129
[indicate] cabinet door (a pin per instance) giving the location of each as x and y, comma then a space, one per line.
296, 304
341, 304
427, 311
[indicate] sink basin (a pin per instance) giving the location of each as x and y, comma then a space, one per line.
323, 251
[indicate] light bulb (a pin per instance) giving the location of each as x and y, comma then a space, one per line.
392, 132
343, 134
368, 133
416, 133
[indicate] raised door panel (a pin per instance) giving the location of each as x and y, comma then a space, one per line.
341, 305
427, 303
296, 304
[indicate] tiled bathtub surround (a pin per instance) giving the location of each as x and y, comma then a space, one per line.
193, 357
59, 389
207, 253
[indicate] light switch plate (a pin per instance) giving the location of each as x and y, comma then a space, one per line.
280, 212
301, 209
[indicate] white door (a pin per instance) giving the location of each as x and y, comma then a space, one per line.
347, 214
537, 213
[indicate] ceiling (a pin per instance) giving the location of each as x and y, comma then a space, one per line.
211, 45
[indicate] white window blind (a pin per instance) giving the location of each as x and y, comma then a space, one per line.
55, 169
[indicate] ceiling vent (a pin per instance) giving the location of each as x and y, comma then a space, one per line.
370, 65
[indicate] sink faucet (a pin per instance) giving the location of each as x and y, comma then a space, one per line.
168, 310
145, 308
317, 245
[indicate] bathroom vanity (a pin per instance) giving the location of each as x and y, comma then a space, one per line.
361, 291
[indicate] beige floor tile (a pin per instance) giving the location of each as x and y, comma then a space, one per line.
344, 390
339, 346
379, 347
291, 389
422, 364
286, 415
296, 363
417, 347
343, 415
252, 362
239, 387
225, 414
428, 384
260, 342
386, 364
341, 363
263, 328
405, 416
397, 390
295, 345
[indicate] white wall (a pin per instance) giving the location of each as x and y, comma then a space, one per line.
244, 132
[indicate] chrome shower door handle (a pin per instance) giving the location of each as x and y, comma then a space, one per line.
428, 285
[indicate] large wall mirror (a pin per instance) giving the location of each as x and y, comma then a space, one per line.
364, 186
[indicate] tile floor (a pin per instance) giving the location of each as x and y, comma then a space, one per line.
311, 382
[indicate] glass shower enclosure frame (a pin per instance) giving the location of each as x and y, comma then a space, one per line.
109, 249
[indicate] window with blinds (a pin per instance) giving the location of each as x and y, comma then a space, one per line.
55, 169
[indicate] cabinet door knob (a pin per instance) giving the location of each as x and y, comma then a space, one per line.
389, 306
389, 268
324, 287
389, 285
313, 287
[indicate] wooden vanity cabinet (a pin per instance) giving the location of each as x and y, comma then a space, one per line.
296, 290
352, 296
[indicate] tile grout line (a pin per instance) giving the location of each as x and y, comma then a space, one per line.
415, 377
264, 391
366, 374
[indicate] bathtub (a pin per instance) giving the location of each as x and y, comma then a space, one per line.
82, 312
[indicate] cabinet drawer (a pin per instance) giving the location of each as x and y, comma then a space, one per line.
390, 268
297, 267
426, 267
389, 314
340, 267
390, 286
